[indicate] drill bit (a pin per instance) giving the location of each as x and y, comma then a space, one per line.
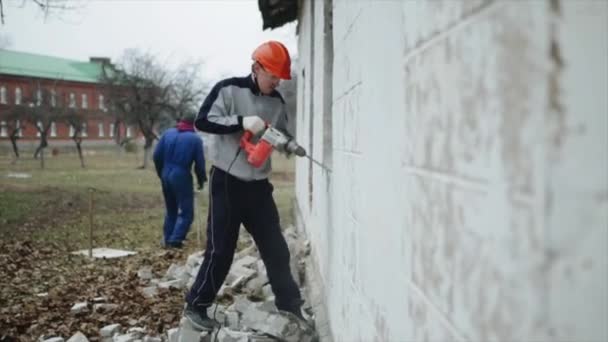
316, 162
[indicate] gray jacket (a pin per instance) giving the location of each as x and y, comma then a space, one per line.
222, 115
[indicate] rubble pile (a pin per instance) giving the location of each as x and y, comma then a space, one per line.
245, 308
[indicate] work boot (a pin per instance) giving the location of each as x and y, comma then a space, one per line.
199, 320
174, 244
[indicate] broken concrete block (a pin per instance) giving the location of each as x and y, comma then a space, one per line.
257, 283
246, 261
100, 299
241, 304
224, 290
267, 291
149, 291
78, 337
145, 273
125, 338
176, 284
109, 330
238, 275
195, 259
261, 338
297, 330
275, 325
261, 267
268, 306
250, 250
194, 270
152, 339
255, 318
232, 320
137, 331
104, 307
55, 339
229, 335
79, 308
176, 272
187, 333
173, 335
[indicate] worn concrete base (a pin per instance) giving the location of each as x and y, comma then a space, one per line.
314, 287
105, 253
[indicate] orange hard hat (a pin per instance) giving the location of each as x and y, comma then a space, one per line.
274, 57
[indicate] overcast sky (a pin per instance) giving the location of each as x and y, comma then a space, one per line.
221, 33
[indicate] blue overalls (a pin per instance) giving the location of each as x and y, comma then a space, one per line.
173, 158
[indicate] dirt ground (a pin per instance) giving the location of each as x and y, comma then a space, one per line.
45, 217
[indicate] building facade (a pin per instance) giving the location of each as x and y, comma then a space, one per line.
468, 198
32, 80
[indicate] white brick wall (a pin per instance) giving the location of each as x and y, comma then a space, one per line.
469, 193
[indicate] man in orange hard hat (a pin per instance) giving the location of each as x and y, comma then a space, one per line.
238, 192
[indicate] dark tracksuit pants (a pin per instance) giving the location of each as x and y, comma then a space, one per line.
179, 198
232, 202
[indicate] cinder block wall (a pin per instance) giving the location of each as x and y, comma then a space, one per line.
469, 148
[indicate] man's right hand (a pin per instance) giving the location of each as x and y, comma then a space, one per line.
254, 124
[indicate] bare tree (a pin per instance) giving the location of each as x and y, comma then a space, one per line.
144, 92
40, 109
76, 120
14, 125
48, 7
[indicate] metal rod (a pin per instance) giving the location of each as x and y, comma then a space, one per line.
90, 223
316, 162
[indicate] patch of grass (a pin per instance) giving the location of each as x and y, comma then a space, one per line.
16, 205
53, 205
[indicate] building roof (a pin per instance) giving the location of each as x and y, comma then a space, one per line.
40, 66
276, 13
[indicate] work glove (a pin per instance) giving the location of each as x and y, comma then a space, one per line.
254, 124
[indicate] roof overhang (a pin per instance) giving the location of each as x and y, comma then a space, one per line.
276, 13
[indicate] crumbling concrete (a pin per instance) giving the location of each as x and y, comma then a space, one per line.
78, 337
245, 319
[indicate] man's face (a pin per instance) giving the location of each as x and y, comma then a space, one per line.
266, 81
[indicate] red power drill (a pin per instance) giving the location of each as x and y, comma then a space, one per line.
258, 153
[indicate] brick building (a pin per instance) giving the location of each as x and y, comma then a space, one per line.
26, 78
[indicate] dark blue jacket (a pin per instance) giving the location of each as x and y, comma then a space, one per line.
180, 149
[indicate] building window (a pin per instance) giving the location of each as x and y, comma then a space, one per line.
53, 130
72, 100
3, 129
100, 129
128, 132
85, 101
3, 95
53, 98
102, 105
39, 125
111, 133
84, 129
38, 97
18, 127
17, 96
71, 133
